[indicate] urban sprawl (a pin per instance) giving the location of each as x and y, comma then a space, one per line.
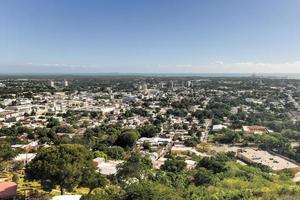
137, 137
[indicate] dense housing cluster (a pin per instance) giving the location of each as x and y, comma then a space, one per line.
141, 137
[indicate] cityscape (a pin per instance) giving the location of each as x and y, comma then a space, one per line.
149, 100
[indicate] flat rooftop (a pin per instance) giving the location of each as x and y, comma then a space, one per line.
263, 157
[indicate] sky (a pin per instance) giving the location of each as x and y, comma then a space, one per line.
150, 36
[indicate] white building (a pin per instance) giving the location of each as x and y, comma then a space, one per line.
65, 83
257, 156
67, 197
51, 83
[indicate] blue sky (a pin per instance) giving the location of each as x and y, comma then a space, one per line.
149, 36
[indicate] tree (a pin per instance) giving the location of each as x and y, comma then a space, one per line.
135, 167
6, 152
52, 122
92, 179
174, 164
115, 152
212, 164
61, 165
127, 139
108, 193
203, 177
227, 136
146, 190
149, 131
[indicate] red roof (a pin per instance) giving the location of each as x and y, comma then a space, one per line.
8, 190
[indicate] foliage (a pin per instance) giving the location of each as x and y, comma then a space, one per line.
174, 164
127, 139
62, 165
136, 166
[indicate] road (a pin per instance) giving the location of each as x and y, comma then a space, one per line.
207, 125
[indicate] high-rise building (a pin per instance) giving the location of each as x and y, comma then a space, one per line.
144, 86
65, 83
172, 84
51, 83
161, 85
188, 84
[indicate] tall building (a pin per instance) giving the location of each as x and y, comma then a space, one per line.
65, 83
144, 86
161, 85
172, 84
51, 83
188, 84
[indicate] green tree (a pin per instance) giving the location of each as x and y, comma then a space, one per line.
146, 190
52, 122
127, 139
115, 152
203, 177
92, 179
136, 166
6, 152
61, 165
174, 164
149, 131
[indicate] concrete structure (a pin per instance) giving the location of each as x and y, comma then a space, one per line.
219, 127
257, 156
8, 190
188, 83
65, 83
154, 141
255, 130
51, 83
67, 197
107, 167
24, 157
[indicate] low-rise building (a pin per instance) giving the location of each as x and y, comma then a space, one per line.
8, 190
255, 130
256, 156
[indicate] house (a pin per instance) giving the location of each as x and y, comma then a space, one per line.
5, 115
24, 157
67, 197
255, 130
155, 141
107, 167
219, 127
8, 190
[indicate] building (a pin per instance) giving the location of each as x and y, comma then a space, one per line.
144, 86
67, 197
188, 84
172, 84
276, 163
154, 141
255, 130
51, 83
219, 127
107, 167
65, 83
8, 190
24, 158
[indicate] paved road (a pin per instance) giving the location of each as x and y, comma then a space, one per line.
207, 125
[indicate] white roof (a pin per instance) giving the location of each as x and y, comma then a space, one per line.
265, 158
67, 197
25, 157
219, 127
107, 167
